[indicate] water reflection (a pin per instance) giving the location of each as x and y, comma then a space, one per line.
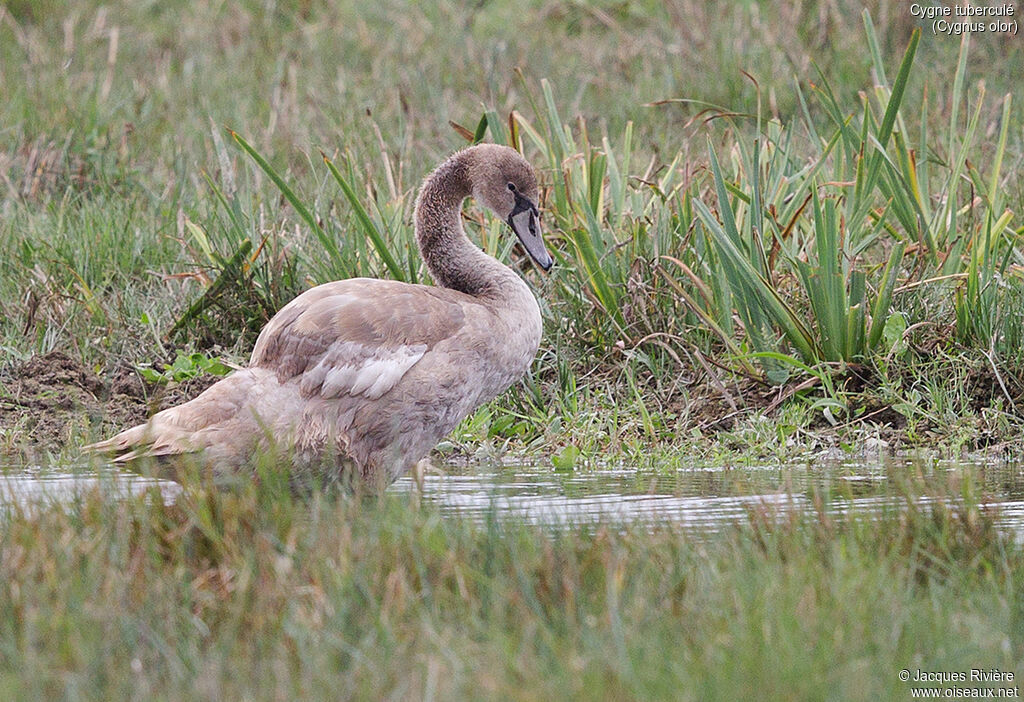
34, 487
701, 498
708, 498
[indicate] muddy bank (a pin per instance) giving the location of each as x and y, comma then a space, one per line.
52, 404
52, 401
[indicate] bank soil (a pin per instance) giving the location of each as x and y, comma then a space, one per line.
53, 399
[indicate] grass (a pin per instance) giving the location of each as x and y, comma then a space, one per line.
797, 230
259, 594
717, 241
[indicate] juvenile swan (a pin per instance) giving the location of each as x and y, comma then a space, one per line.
365, 376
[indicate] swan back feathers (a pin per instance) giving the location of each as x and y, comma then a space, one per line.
355, 337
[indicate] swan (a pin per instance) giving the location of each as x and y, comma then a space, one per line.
362, 377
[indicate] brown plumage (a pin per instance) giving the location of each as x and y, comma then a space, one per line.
362, 377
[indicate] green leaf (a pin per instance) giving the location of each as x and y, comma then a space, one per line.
880, 310
892, 334
366, 224
566, 458
481, 129
329, 245
898, 88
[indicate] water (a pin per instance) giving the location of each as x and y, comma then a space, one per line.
31, 488
707, 498
698, 498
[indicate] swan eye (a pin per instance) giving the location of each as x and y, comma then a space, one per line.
512, 187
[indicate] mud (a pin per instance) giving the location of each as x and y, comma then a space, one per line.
52, 400
52, 404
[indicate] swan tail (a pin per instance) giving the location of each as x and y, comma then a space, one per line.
217, 416
152, 439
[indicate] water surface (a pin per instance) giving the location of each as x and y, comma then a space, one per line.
699, 498
707, 498
29, 488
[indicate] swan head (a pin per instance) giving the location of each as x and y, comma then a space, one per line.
504, 182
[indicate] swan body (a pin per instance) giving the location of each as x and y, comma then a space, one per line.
362, 377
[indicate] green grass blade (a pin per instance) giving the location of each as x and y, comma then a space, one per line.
481, 130
853, 338
555, 128
958, 93
365, 223
496, 125
330, 246
994, 197
876, 55
948, 223
584, 240
880, 310
756, 291
724, 208
898, 88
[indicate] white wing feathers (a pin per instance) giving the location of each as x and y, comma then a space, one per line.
351, 369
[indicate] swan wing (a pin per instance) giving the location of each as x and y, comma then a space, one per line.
356, 337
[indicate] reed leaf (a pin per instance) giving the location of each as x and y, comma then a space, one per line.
328, 243
366, 224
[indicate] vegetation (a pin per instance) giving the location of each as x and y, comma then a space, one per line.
725, 249
778, 228
257, 594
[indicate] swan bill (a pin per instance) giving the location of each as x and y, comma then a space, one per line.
525, 222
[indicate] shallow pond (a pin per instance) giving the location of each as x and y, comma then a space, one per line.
706, 498
701, 498
32, 487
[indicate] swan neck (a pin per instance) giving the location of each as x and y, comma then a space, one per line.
452, 259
